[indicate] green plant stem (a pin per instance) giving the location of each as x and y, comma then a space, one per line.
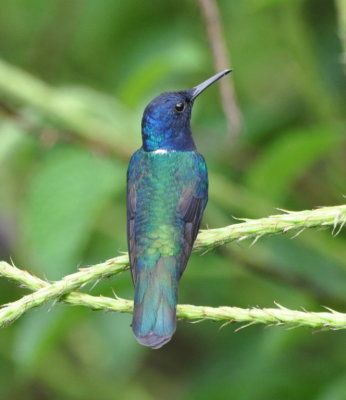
65, 109
44, 291
281, 223
269, 316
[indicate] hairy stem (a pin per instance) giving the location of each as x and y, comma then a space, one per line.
269, 316
280, 223
45, 291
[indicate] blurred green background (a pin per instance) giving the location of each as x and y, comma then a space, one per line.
68, 125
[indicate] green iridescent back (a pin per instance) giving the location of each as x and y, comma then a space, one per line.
167, 193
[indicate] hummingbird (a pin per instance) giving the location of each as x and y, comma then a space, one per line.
167, 192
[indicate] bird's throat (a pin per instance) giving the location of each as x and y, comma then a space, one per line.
166, 141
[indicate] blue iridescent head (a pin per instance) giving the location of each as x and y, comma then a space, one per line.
166, 119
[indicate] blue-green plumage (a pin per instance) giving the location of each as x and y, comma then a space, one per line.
166, 196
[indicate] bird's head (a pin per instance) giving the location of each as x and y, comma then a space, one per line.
166, 119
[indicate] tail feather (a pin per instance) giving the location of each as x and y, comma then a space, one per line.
154, 316
154, 341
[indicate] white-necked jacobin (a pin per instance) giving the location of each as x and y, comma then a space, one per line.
167, 191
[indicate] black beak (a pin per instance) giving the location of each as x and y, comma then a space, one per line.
202, 86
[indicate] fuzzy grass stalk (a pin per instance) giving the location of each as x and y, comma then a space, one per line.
274, 224
226, 315
44, 291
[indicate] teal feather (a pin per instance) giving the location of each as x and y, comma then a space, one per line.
160, 240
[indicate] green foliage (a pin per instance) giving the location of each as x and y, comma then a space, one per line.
74, 79
68, 192
288, 158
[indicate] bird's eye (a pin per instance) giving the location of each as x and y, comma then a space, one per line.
179, 107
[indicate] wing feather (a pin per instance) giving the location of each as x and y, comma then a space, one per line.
132, 175
192, 215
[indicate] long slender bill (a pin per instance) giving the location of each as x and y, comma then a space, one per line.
202, 86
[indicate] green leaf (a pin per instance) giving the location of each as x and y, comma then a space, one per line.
63, 202
38, 333
263, 4
156, 68
275, 171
